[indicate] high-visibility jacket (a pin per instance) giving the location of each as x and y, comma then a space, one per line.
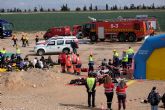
68, 61
90, 83
130, 53
3, 51
90, 58
78, 60
125, 58
18, 51
74, 58
116, 55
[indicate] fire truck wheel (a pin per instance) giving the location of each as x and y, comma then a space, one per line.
121, 37
93, 38
131, 37
40, 52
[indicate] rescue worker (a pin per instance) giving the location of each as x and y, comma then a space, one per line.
130, 53
124, 60
78, 65
74, 46
74, 61
91, 63
37, 38
18, 52
69, 64
14, 39
26, 40
91, 85
115, 58
23, 39
62, 61
3, 52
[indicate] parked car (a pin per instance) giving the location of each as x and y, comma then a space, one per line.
55, 45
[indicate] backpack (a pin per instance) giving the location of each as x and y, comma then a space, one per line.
154, 98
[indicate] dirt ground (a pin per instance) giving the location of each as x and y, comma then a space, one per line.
48, 90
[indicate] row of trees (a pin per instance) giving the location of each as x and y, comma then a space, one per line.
85, 8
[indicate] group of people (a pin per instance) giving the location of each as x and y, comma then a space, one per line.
24, 39
15, 61
109, 91
70, 63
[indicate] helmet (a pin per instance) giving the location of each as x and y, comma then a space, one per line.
114, 50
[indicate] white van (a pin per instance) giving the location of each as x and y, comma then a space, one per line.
55, 45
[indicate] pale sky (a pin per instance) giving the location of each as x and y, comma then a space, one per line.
26, 4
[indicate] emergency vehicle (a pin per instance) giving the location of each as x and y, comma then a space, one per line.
116, 30
5, 28
62, 31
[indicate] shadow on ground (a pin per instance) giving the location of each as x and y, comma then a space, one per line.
72, 106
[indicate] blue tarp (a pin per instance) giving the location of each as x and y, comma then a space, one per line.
144, 53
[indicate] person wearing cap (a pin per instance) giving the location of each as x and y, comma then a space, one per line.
130, 53
124, 60
115, 58
90, 86
154, 99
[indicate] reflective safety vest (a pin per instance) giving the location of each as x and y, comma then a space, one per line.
90, 83
90, 58
18, 51
68, 61
74, 58
130, 51
78, 60
125, 58
3, 51
116, 55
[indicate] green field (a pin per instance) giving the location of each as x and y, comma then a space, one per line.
43, 21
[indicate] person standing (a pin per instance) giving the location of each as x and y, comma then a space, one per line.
78, 65
90, 86
91, 63
74, 46
62, 61
18, 52
124, 60
121, 94
154, 99
37, 38
26, 40
109, 86
115, 58
23, 41
130, 53
74, 61
163, 100
14, 39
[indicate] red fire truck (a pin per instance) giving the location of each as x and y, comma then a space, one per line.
121, 30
